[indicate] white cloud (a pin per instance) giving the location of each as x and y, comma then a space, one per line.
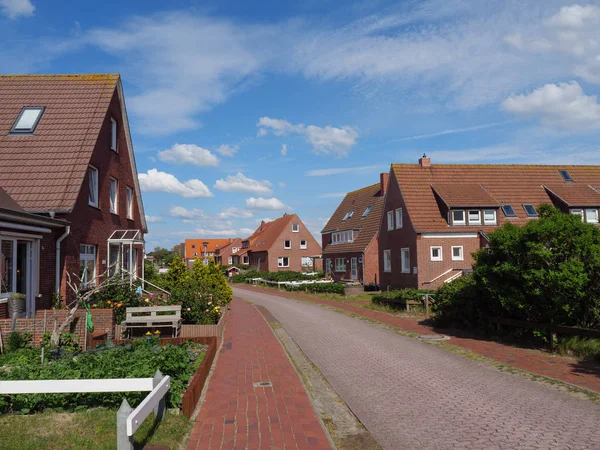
560, 105
13, 9
153, 219
245, 232
445, 132
241, 183
189, 154
264, 219
340, 170
326, 140
266, 203
190, 214
209, 233
155, 181
228, 150
234, 213
284, 149
281, 184
575, 16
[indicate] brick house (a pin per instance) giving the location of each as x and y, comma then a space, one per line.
230, 253
350, 237
436, 215
204, 249
66, 154
283, 244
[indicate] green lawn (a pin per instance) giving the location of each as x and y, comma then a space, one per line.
92, 429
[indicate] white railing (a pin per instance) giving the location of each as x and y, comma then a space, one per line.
134, 276
439, 276
128, 419
453, 277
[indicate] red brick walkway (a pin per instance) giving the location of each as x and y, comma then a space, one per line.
237, 415
562, 368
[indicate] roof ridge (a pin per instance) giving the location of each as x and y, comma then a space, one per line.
362, 189
493, 165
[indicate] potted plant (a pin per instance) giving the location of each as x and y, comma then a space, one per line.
16, 305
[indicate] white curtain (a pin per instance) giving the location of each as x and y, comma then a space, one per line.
93, 182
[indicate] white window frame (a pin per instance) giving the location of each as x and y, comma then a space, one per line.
129, 203
245, 259
390, 220
367, 211
13, 269
595, 218
440, 256
230, 260
85, 258
295, 228
486, 220
328, 266
287, 247
461, 257
578, 212
281, 261
459, 222
114, 202
306, 261
36, 120
93, 177
113, 134
398, 218
387, 261
405, 260
340, 265
303, 246
478, 220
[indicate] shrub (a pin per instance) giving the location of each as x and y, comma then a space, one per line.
327, 288
371, 287
400, 296
242, 277
581, 347
459, 304
117, 297
137, 360
17, 340
198, 304
213, 281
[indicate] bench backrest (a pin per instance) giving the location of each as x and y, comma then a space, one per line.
150, 311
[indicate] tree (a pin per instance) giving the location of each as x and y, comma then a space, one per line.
211, 277
177, 273
162, 256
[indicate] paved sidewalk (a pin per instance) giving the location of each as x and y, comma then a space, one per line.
561, 368
237, 415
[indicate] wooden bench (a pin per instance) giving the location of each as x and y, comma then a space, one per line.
147, 317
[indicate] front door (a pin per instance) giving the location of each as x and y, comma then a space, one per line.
353, 269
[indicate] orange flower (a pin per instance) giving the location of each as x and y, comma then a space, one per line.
120, 304
108, 302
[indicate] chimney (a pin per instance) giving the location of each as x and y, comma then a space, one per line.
424, 161
383, 182
262, 224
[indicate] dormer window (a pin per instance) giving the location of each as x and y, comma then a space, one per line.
28, 119
489, 217
530, 211
474, 217
367, 211
508, 211
458, 217
566, 176
347, 215
113, 134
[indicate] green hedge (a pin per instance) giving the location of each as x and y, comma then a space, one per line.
137, 360
324, 288
400, 296
284, 275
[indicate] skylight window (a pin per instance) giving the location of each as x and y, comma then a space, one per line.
530, 210
28, 119
566, 176
347, 215
508, 211
367, 211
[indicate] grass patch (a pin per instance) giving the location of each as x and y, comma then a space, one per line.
396, 310
580, 347
95, 428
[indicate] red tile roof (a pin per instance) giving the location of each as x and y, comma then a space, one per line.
368, 226
44, 171
267, 233
572, 194
507, 184
7, 202
461, 195
211, 247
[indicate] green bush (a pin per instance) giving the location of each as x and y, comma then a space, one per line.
213, 281
198, 304
581, 347
117, 297
458, 304
242, 277
18, 340
326, 288
399, 297
137, 360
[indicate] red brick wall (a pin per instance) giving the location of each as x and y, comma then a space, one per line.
395, 240
347, 275
94, 226
264, 261
103, 321
371, 262
294, 254
3, 310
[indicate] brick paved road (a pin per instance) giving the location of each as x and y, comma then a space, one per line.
413, 395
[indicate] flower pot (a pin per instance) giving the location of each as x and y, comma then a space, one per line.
16, 305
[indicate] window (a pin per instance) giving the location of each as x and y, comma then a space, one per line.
348, 215
93, 186
367, 211
295, 228
283, 261
195, 253
489, 217
390, 220
114, 189
8, 267
399, 218
530, 211
458, 217
436, 253
287, 244
457, 253
307, 261
340, 264
387, 261
87, 264
405, 260
129, 203
28, 119
591, 215
342, 237
230, 260
565, 175
328, 266
303, 245
193, 245
508, 211
113, 134
474, 217
245, 260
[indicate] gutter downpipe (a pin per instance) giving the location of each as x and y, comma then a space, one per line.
58, 241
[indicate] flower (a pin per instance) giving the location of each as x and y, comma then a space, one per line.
210, 303
146, 300
189, 309
206, 310
120, 304
108, 302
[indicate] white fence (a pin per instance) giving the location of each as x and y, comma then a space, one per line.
128, 419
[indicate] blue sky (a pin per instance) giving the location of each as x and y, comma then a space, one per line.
244, 110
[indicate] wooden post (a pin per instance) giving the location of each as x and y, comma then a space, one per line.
159, 410
124, 442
